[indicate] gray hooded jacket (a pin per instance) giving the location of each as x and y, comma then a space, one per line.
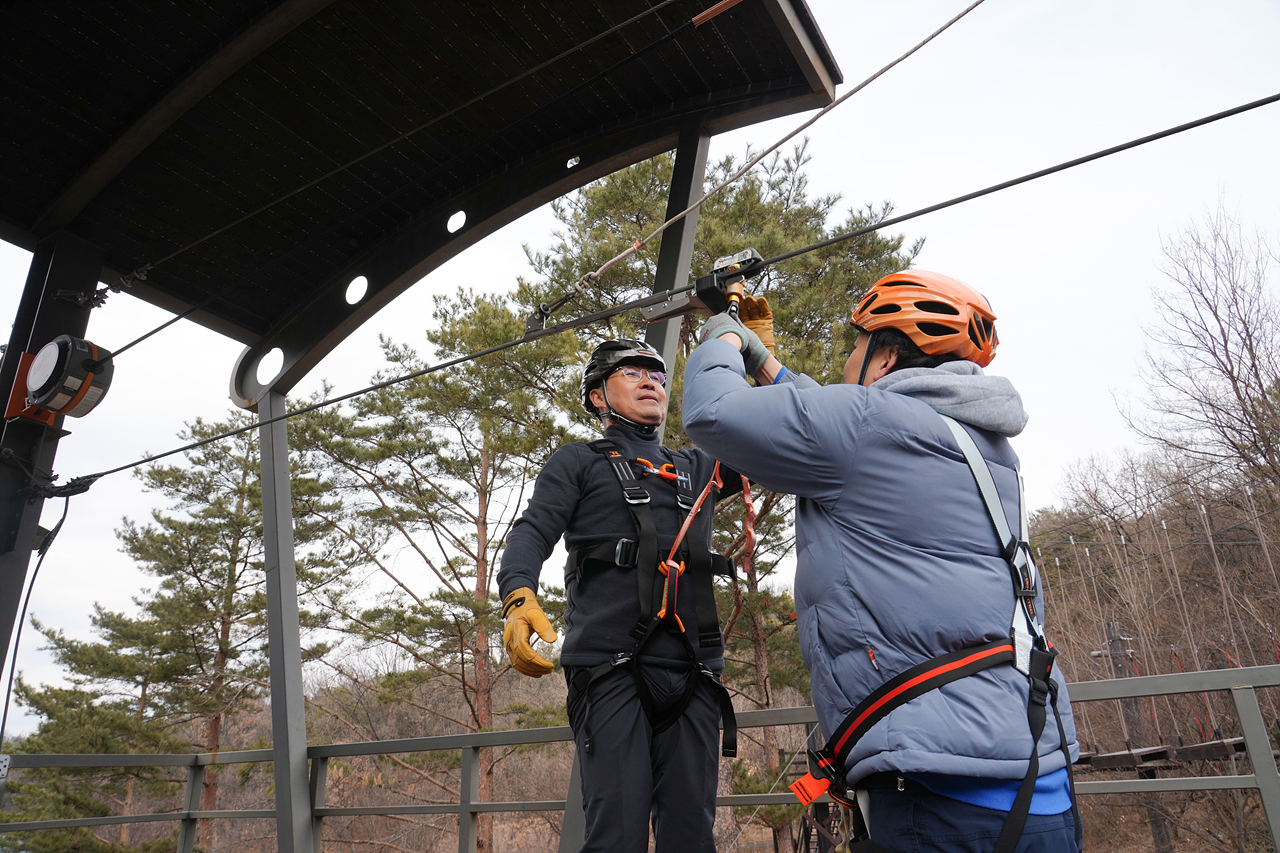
897, 560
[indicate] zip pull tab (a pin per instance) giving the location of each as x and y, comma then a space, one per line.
902, 784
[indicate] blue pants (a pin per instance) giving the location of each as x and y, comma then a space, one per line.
917, 820
632, 776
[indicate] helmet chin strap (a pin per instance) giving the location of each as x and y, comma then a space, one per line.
866, 357
643, 429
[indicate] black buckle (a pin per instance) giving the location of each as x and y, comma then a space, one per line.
635, 495
1041, 661
624, 553
823, 764
620, 659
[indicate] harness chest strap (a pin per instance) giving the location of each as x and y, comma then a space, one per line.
646, 564
701, 564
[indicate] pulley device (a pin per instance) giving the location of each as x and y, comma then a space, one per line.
715, 293
67, 376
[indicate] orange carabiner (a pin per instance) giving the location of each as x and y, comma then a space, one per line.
666, 472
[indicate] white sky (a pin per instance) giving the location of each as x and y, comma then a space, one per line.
1067, 261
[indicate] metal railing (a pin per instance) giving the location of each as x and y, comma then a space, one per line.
1240, 683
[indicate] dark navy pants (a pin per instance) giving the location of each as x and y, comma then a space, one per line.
632, 776
916, 820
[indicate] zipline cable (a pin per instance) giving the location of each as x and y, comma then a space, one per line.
592, 277
82, 483
433, 170
1088, 158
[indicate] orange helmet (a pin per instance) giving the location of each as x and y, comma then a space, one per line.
939, 314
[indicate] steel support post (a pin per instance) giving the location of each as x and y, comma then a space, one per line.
63, 275
187, 828
573, 827
676, 251
1258, 747
294, 829
468, 796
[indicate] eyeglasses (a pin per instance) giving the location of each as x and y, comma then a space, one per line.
635, 374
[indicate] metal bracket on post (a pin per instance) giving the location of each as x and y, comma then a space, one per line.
468, 796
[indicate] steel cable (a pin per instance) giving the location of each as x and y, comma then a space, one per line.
662, 296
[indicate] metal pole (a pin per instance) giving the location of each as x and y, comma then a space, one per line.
63, 275
187, 829
294, 830
1258, 746
676, 252
573, 828
468, 796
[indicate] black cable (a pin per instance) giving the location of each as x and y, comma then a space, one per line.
664, 295
1025, 178
654, 299
17, 637
399, 191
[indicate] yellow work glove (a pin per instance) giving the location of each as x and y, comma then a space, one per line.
524, 616
755, 315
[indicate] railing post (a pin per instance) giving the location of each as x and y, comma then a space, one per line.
573, 827
1258, 746
468, 796
187, 829
319, 776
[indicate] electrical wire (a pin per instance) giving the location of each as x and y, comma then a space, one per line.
662, 296
17, 637
320, 236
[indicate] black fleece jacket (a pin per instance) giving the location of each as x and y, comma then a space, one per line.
578, 496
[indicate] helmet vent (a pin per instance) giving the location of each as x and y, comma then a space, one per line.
866, 303
889, 308
937, 308
936, 330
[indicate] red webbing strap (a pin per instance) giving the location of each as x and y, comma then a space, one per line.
897, 691
917, 681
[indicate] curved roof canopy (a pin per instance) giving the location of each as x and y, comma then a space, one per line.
253, 161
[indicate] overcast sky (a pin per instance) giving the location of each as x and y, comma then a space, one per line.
1068, 262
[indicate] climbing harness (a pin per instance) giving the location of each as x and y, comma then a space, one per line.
1026, 648
642, 554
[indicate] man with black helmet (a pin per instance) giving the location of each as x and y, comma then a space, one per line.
642, 650
920, 613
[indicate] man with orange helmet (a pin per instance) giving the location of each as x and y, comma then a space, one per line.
919, 608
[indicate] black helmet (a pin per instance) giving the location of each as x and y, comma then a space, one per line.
607, 358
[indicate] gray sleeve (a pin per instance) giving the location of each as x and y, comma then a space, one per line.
535, 533
796, 436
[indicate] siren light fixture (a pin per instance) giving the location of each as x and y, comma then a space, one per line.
69, 376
